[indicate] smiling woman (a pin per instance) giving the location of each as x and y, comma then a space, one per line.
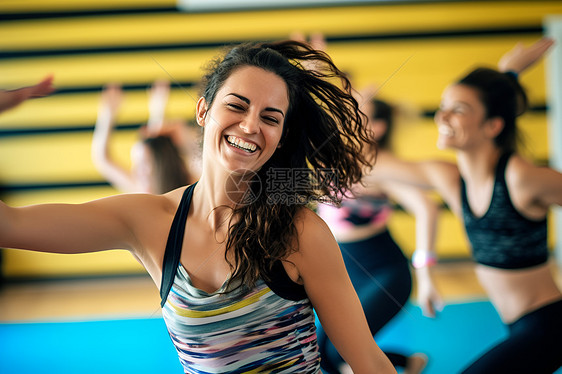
241, 272
503, 200
247, 120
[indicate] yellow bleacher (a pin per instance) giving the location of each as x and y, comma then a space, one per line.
410, 51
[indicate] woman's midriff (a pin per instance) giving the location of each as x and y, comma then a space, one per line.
515, 293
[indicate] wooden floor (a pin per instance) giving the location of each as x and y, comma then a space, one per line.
137, 296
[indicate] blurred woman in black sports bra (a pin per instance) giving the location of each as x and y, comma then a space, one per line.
503, 200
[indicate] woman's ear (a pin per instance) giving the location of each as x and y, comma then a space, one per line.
494, 126
201, 111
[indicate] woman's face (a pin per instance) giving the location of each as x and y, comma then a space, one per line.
244, 125
461, 119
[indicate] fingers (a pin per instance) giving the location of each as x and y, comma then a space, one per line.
431, 305
160, 89
428, 310
158, 100
43, 88
538, 49
543, 45
438, 304
110, 101
521, 58
298, 36
318, 41
112, 93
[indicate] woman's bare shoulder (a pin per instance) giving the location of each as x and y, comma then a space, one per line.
312, 232
521, 173
531, 184
171, 200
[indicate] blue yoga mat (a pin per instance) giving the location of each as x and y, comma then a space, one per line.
102, 347
141, 346
458, 335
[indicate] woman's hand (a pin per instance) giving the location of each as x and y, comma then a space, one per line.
428, 297
111, 98
12, 98
157, 101
521, 58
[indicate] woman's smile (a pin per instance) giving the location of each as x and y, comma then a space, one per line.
242, 144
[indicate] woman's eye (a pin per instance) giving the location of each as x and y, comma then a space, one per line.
235, 106
271, 119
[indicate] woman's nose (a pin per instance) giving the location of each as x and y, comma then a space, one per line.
441, 115
250, 125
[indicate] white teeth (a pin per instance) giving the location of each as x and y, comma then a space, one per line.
444, 130
239, 143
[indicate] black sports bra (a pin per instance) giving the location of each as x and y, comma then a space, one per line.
502, 237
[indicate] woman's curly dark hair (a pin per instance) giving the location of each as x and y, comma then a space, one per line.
321, 151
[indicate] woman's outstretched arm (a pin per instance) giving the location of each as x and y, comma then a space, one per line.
441, 176
116, 222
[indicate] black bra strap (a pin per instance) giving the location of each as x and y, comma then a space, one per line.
500, 167
173, 246
283, 285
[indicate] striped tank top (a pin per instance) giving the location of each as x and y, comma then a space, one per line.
268, 328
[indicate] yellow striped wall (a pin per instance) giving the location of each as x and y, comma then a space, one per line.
411, 51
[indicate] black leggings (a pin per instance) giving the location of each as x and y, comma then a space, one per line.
534, 345
381, 277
